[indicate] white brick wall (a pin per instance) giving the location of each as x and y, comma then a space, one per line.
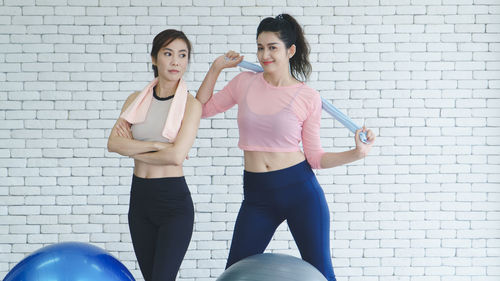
424, 74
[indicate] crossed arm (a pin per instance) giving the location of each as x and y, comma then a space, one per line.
157, 153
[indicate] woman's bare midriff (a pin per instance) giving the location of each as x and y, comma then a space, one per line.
148, 171
255, 161
260, 161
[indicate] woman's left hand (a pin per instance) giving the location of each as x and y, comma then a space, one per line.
228, 60
364, 148
123, 129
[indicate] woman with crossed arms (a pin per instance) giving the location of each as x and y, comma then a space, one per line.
157, 128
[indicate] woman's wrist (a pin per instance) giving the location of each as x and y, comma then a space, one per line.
215, 69
359, 153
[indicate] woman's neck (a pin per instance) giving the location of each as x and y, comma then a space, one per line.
166, 88
280, 79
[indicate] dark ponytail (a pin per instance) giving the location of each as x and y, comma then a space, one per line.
290, 32
163, 39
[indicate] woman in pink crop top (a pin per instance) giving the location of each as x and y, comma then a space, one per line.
276, 111
157, 128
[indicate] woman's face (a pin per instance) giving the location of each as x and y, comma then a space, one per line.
172, 60
272, 52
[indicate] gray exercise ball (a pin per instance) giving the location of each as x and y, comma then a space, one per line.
271, 267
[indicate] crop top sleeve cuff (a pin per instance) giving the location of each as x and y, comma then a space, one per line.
315, 159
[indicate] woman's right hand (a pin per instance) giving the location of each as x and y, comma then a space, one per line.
228, 60
163, 145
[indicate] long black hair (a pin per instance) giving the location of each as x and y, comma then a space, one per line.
163, 39
290, 32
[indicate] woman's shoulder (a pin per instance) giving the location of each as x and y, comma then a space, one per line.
309, 99
309, 93
133, 96
308, 89
129, 100
192, 102
191, 99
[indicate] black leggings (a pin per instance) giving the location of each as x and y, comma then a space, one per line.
160, 218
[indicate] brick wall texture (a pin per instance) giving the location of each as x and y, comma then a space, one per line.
423, 74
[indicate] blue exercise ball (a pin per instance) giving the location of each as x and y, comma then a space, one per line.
69, 261
271, 267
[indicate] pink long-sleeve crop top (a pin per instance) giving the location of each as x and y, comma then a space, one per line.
273, 119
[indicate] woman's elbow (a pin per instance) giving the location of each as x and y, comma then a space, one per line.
315, 160
315, 165
178, 159
111, 147
169, 156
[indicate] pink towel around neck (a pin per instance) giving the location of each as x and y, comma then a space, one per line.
137, 111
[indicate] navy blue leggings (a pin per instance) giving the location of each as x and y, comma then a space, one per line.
292, 194
160, 218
